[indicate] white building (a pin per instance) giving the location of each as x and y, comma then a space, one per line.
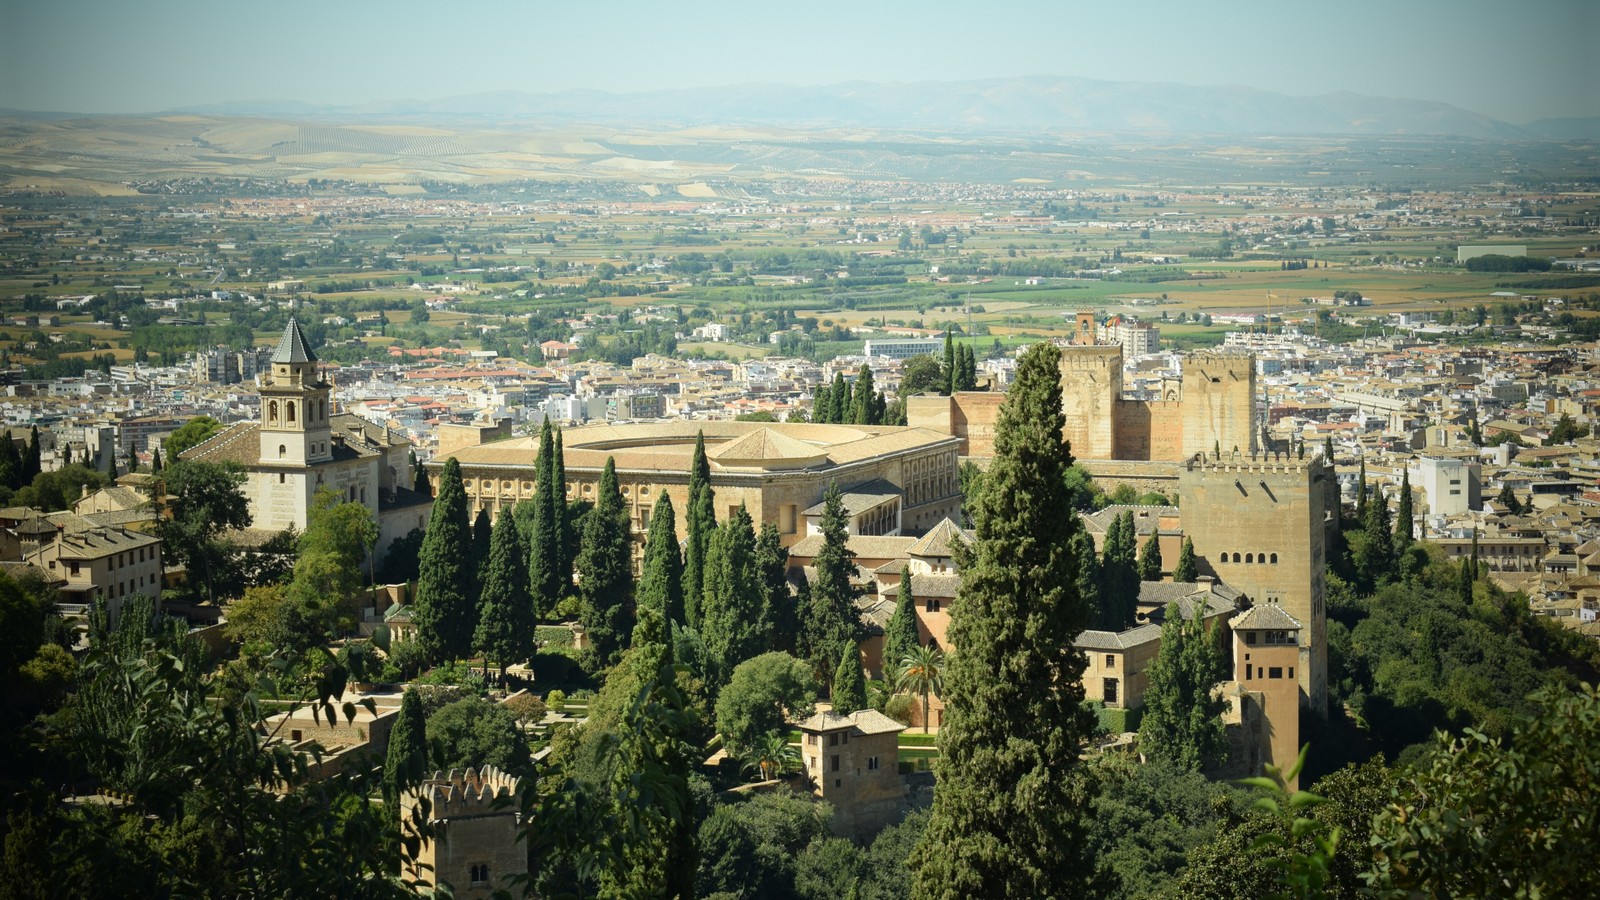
1452, 486
903, 348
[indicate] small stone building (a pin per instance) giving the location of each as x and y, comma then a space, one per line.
473, 844
853, 762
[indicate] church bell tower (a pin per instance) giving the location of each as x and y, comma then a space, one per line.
294, 406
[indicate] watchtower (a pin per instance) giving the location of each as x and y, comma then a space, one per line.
1219, 396
1091, 386
1259, 525
473, 845
1266, 653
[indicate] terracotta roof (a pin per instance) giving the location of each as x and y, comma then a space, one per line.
1136, 636
941, 540
864, 546
1266, 615
866, 721
942, 586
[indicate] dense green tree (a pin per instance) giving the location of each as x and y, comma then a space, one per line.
863, 402
1507, 498
782, 613
921, 375
902, 635
505, 605
445, 608
700, 519
203, 501
419, 477
849, 683
764, 692
544, 549
750, 847
407, 761
661, 577
190, 434
831, 621
401, 559
606, 564
477, 732
32, 464
478, 549
155, 460
1361, 491
1185, 571
1182, 717
1089, 578
1565, 432
1009, 807
966, 378
339, 536
1150, 557
735, 625
1477, 817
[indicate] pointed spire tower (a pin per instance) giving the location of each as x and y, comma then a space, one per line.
294, 405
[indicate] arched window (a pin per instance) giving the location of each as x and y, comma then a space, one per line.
1236, 557
322, 410
1249, 557
272, 411
282, 451
1274, 559
289, 410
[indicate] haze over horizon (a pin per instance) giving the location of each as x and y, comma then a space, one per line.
96, 56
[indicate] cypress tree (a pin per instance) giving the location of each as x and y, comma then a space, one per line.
1464, 579
1186, 571
419, 477
505, 608
1182, 718
1375, 561
1150, 557
701, 520
865, 399
1361, 492
902, 636
839, 406
34, 465
407, 761
10, 463
1009, 812
1119, 575
1403, 517
849, 683
661, 576
445, 606
966, 368
133, 460
734, 622
772, 561
606, 562
155, 460
1089, 581
560, 518
831, 620
478, 550
1477, 566
949, 368
544, 552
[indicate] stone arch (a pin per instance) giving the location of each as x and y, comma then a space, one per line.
282, 451
272, 412
288, 411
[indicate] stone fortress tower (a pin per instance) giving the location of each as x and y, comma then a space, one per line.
473, 847
1259, 525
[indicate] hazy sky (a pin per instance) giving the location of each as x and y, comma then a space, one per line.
1514, 60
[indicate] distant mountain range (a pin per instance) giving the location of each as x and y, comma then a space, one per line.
1035, 104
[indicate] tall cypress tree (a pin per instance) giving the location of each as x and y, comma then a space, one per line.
559, 516
772, 561
1182, 717
1404, 517
505, 607
1010, 810
849, 683
1361, 492
864, 402
34, 466
1150, 557
133, 460
478, 550
902, 636
1375, 560
1186, 570
734, 622
1119, 576
1090, 585
839, 406
701, 520
446, 606
407, 761
606, 563
831, 620
155, 460
544, 553
661, 576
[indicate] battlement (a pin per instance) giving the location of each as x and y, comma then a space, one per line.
1222, 356
472, 792
1254, 464
1095, 356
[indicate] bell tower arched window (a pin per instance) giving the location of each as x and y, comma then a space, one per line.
272, 412
289, 410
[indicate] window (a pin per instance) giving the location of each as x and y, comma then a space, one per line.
1249, 557
845, 739
272, 411
811, 740
1249, 637
1275, 672
835, 762
833, 741
1291, 671
1249, 671
1109, 690
288, 409
1274, 559
282, 451
479, 873
933, 605
282, 478
294, 735
1111, 661
872, 763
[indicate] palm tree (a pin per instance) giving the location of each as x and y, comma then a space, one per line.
772, 756
922, 672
